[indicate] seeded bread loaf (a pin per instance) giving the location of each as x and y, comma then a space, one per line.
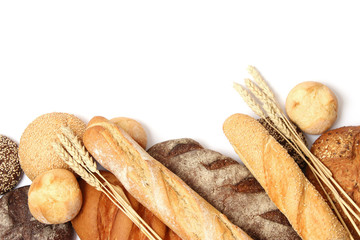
227, 185
339, 149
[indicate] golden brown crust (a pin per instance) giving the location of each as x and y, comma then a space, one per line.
339, 149
100, 219
88, 213
227, 185
154, 186
55, 197
35, 149
133, 128
282, 179
312, 106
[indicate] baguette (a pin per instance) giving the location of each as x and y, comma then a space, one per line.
282, 179
156, 187
227, 185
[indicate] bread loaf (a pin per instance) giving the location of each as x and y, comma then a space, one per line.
282, 179
338, 149
155, 187
100, 219
227, 185
17, 223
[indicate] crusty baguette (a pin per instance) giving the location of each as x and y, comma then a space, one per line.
156, 187
227, 185
282, 179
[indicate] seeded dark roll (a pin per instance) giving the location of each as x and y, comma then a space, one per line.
10, 170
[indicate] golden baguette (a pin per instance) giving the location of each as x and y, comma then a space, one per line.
282, 179
155, 187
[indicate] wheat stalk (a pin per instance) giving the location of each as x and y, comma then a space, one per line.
73, 153
66, 157
74, 139
270, 108
261, 82
249, 100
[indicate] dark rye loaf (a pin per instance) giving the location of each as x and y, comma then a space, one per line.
227, 185
17, 223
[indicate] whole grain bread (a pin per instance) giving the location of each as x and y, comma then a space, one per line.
227, 185
339, 149
17, 223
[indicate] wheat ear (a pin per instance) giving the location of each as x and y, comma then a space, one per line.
71, 150
249, 100
271, 108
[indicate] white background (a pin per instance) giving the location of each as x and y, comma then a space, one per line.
170, 64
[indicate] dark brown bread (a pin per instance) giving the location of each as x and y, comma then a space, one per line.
227, 185
17, 223
10, 170
339, 149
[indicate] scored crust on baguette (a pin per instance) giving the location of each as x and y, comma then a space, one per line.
227, 185
156, 187
282, 179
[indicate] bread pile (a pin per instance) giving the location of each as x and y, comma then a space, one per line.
179, 188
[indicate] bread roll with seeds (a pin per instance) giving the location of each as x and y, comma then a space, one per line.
10, 170
35, 150
282, 179
339, 150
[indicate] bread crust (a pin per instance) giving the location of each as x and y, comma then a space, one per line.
227, 185
101, 219
155, 187
339, 149
282, 179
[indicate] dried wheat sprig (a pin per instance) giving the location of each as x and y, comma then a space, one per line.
65, 156
334, 207
74, 146
270, 107
321, 175
249, 100
74, 139
261, 95
261, 82
81, 164
326, 176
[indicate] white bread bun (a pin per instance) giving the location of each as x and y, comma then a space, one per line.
312, 106
55, 197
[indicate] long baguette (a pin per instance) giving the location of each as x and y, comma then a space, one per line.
282, 179
155, 187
